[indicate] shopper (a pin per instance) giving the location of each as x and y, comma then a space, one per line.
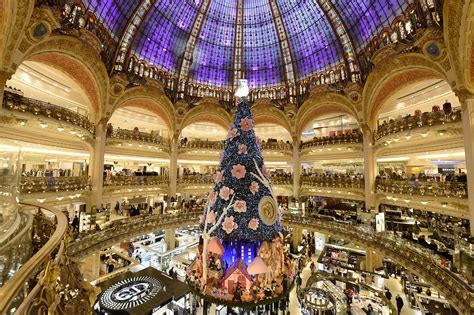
399, 303
75, 223
388, 294
299, 281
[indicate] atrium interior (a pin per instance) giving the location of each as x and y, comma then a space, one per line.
237, 157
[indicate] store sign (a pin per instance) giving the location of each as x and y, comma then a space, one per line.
130, 293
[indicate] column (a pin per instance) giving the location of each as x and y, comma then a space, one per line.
370, 167
90, 266
467, 103
96, 164
4, 77
373, 260
297, 237
173, 171
170, 239
296, 169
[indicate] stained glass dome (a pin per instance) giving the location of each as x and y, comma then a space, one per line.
269, 42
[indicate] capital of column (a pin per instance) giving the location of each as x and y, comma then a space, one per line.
464, 97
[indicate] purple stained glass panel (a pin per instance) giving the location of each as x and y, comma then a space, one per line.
114, 14
365, 19
162, 38
313, 44
213, 57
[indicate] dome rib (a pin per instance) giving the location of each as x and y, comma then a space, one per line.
187, 61
285, 49
238, 43
345, 41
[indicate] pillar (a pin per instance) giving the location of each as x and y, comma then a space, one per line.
170, 239
96, 164
173, 171
467, 105
90, 266
370, 167
297, 237
373, 260
296, 169
4, 77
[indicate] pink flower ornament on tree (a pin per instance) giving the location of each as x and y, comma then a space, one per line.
238, 171
242, 149
253, 224
229, 225
225, 193
240, 206
246, 124
254, 188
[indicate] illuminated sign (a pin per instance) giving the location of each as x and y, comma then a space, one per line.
130, 293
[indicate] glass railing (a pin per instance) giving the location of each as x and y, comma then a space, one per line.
332, 140
333, 182
436, 189
16, 102
426, 119
131, 135
54, 184
135, 180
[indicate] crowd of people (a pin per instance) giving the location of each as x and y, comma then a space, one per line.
422, 177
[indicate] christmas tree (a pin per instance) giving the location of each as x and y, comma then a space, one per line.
242, 249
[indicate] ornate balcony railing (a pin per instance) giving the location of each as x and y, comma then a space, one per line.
131, 135
135, 180
277, 146
333, 182
281, 179
417, 259
54, 184
421, 261
17, 102
426, 119
128, 228
15, 290
436, 189
198, 144
203, 179
341, 139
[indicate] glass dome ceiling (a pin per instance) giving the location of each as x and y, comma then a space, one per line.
269, 42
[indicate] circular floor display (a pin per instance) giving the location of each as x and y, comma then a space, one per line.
130, 293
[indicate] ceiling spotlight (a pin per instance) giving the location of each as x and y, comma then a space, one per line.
444, 204
60, 128
59, 198
407, 200
22, 122
40, 200
73, 132
424, 202
424, 134
408, 136
43, 125
396, 139
441, 132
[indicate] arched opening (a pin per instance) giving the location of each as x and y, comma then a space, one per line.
134, 118
44, 82
330, 125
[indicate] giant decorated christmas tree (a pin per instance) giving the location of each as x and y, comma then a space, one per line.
242, 257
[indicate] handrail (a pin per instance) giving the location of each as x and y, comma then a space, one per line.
134, 180
332, 140
13, 286
17, 102
334, 182
31, 184
148, 137
422, 120
406, 187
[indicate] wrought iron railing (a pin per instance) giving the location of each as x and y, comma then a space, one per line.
277, 146
332, 140
333, 182
282, 179
437, 189
17, 102
203, 179
135, 180
426, 119
199, 144
54, 184
131, 135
